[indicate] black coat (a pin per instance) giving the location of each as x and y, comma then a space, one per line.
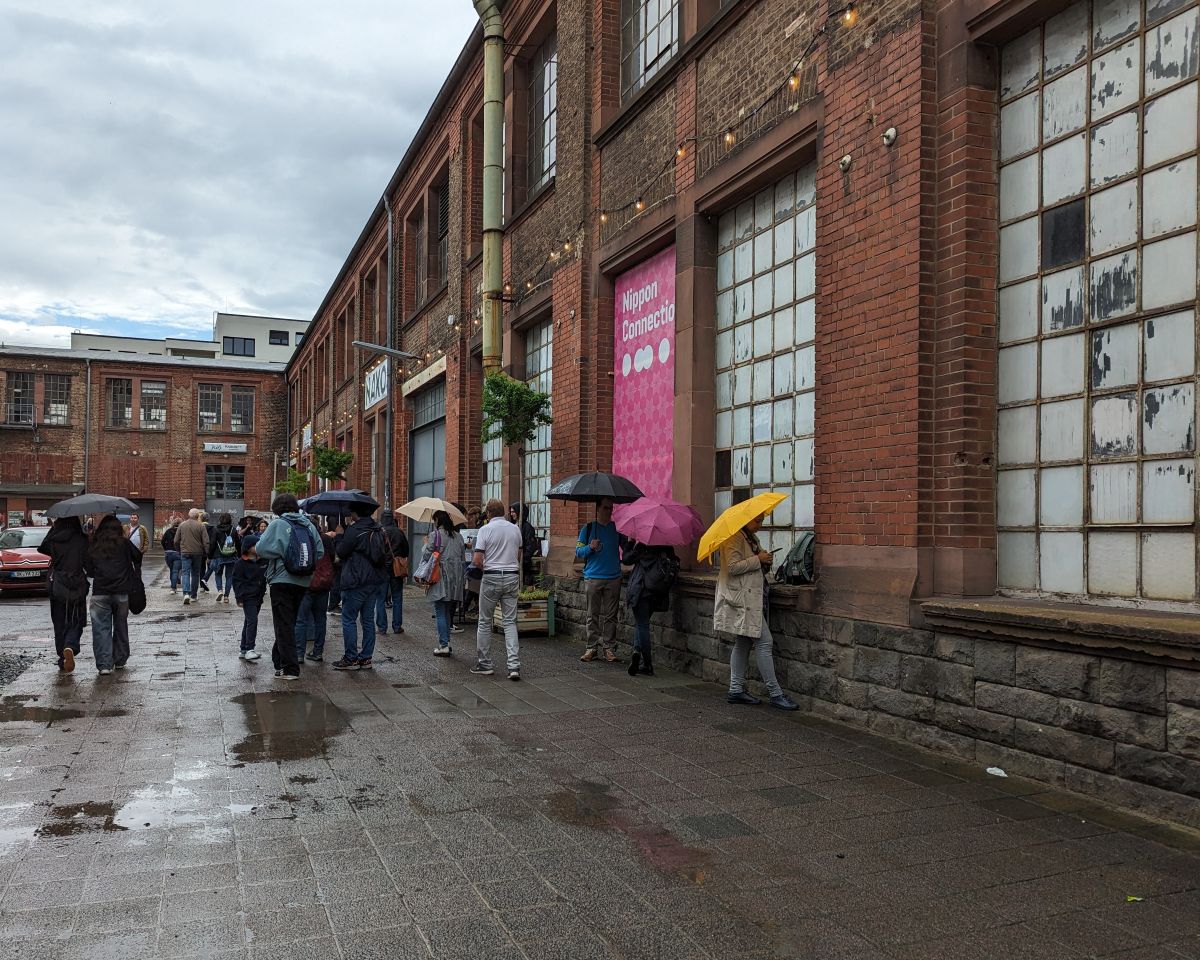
396, 536
641, 557
357, 568
250, 580
67, 549
114, 566
217, 537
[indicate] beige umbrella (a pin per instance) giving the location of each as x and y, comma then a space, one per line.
423, 508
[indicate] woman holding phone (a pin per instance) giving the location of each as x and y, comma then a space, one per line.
741, 609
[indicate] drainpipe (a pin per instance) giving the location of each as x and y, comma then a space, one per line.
387, 441
493, 172
87, 424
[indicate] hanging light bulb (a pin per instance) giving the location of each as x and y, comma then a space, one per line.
729, 137
603, 217
567, 247
507, 288
850, 15
528, 284
640, 205
679, 152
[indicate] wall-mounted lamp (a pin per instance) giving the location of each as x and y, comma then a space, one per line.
845, 162
889, 136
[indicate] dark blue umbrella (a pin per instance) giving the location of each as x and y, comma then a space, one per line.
337, 503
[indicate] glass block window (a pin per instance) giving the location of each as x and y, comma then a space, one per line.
1097, 360
153, 394
118, 401
18, 398
542, 99
649, 38
209, 395
539, 363
56, 399
241, 409
766, 353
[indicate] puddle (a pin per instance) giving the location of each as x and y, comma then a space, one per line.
666, 853
17, 709
15, 836
286, 726
75, 818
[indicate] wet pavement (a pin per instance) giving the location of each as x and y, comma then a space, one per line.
194, 806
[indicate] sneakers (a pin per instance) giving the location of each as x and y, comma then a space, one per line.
366, 664
187, 599
120, 666
440, 651
588, 655
287, 676
743, 698
104, 671
278, 672
514, 674
455, 628
174, 591
68, 660
251, 655
784, 702
346, 664
315, 658
481, 671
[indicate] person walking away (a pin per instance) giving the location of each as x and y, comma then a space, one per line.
248, 575
192, 543
498, 554
393, 588
741, 609
292, 547
112, 561
223, 554
649, 591
137, 535
67, 546
531, 544
447, 543
171, 554
312, 620
599, 548
366, 567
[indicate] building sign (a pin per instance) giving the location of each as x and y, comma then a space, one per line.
306, 436
435, 369
375, 384
644, 378
225, 448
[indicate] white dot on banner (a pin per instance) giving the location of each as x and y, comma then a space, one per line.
626, 363
664, 350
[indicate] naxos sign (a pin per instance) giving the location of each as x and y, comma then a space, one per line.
375, 385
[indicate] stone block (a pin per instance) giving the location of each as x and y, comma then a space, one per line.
901, 704
1183, 731
836, 630
847, 657
955, 649
1183, 687
937, 679
1112, 723
877, 666
1132, 795
852, 693
706, 647
1133, 686
1165, 770
995, 661
1067, 745
887, 637
812, 681
713, 671
1020, 763
970, 722
1057, 672
823, 654
1016, 702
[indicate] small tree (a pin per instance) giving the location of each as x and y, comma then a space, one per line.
331, 464
512, 413
296, 483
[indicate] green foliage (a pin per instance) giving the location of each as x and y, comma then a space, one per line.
512, 410
533, 593
296, 483
331, 464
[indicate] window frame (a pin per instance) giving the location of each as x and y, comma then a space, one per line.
12, 416
241, 391
236, 346
205, 391
157, 424
541, 108
126, 422
634, 38
62, 398
278, 338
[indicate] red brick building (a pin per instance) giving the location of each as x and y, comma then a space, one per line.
930, 277
168, 433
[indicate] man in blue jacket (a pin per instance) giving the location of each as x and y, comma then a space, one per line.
366, 567
287, 588
599, 548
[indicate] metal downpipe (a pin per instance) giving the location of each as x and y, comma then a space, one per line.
493, 183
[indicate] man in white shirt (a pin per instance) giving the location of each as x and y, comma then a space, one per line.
498, 554
137, 533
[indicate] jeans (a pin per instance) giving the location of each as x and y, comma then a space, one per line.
285, 602
443, 610
312, 623
110, 630
193, 567
641, 627
250, 609
498, 588
174, 560
359, 603
68, 617
393, 589
224, 569
603, 601
739, 661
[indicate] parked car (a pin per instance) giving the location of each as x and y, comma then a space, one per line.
22, 566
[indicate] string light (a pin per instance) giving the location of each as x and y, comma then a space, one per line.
679, 152
730, 137
639, 205
603, 217
850, 15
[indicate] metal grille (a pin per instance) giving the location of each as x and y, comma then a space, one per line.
649, 38
153, 405
209, 395
766, 353
1097, 360
18, 398
119, 401
56, 399
241, 410
539, 367
543, 113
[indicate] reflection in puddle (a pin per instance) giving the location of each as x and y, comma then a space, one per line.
17, 709
287, 726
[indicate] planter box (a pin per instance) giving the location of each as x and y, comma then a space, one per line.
533, 616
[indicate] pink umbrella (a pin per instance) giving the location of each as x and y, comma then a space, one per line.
658, 523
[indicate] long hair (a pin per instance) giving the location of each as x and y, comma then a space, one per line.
68, 524
442, 519
109, 529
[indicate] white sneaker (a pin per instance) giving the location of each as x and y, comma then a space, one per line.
104, 673
251, 655
187, 599
456, 629
440, 651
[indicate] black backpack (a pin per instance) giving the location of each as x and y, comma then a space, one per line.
661, 574
797, 566
300, 554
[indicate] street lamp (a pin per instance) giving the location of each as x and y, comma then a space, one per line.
387, 443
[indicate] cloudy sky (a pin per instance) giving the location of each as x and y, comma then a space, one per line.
160, 161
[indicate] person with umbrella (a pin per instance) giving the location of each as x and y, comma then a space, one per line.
599, 548
366, 567
445, 547
742, 594
113, 563
67, 547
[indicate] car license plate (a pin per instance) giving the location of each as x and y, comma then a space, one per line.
27, 573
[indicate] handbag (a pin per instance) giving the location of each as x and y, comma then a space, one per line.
137, 596
429, 570
399, 567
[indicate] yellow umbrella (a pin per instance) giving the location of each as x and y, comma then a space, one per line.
734, 518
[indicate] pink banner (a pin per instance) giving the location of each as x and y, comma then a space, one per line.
644, 378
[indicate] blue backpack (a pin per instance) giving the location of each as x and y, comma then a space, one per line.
300, 557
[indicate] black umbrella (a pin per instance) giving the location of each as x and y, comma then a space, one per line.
337, 503
88, 503
594, 487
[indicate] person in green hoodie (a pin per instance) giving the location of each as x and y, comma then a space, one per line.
287, 581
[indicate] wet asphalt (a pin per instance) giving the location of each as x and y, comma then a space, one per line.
194, 806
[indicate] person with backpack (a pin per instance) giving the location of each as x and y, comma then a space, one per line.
291, 546
249, 578
649, 591
444, 547
599, 548
223, 555
114, 564
66, 545
393, 588
366, 567
741, 609
312, 621
171, 555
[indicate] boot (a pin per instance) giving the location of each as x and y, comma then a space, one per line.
647, 665
634, 661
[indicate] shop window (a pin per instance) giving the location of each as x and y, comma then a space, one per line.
539, 374
766, 353
119, 402
153, 396
18, 398
56, 399
224, 482
237, 346
241, 410
649, 38
209, 405
279, 338
542, 103
1095, 490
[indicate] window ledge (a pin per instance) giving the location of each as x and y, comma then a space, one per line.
1148, 634
428, 304
534, 200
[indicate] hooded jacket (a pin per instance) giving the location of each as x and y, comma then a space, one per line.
219, 534
396, 536
67, 547
740, 587
354, 550
272, 546
112, 562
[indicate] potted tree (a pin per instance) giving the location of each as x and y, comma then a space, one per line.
512, 413
331, 464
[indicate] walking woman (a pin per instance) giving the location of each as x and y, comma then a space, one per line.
224, 554
66, 545
445, 541
741, 609
112, 562
649, 591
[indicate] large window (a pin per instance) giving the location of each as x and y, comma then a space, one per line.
766, 353
224, 482
493, 468
56, 399
153, 405
241, 410
649, 38
539, 367
209, 405
543, 113
237, 346
118, 396
1097, 360
278, 338
18, 398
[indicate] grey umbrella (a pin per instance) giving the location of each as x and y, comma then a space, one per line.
88, 503
594, 487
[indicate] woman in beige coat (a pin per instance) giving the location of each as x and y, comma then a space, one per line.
741, 609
